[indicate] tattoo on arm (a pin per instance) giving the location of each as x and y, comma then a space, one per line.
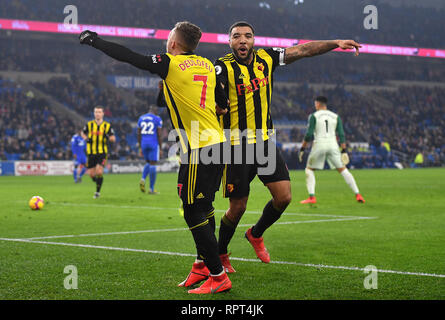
309, 49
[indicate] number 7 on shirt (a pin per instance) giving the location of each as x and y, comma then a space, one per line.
198, 77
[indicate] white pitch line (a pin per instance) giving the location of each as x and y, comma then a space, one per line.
105, 233
182, 229
69, 204
321, 266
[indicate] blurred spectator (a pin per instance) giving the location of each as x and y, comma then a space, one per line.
418, 160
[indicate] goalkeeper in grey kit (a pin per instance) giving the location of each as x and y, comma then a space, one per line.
323, 128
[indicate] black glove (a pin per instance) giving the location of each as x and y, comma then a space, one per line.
88, 37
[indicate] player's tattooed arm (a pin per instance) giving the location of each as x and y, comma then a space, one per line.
315, 48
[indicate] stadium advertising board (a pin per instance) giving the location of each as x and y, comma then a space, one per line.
138, 166
55, 168
129, 82
162, 34
43, 168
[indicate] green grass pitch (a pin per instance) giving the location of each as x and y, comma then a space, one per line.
129, 245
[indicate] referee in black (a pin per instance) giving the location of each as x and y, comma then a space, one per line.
97, 133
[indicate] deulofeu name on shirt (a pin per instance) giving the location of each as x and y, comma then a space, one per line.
195, 63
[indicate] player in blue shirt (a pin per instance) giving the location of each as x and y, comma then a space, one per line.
78, 150
149, 131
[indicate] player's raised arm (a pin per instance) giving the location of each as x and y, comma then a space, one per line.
315, 48
154, 63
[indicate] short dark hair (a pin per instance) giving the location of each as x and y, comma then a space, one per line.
189, 35
99, 107
240, 24
322, 99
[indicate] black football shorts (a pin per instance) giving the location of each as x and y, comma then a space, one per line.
238, 176
198, 182
96, 159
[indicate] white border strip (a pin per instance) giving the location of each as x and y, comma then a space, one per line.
406, 273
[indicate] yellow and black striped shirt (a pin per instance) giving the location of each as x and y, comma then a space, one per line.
190, 91
249, 90
97, 136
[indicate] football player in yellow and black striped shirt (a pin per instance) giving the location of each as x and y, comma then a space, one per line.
190, 90
247, 77
97, 133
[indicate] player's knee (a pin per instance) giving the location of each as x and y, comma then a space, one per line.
234, 216
195, 214
283, 200
287, 198
237, 209
343, 169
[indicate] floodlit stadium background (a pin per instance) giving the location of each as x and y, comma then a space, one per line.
391, 103
132, 245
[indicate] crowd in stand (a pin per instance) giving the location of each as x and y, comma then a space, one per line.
83, 94
411, 122
28, 128
312, 20
415, 123
408, 120
71, 58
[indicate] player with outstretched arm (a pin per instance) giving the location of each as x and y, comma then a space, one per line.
247, 76
190, 90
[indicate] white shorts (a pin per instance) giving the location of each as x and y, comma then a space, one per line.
320, 153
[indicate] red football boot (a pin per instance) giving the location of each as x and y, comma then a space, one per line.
198, 273
226, 263
310, 200
258, 246
359, 198
214, 284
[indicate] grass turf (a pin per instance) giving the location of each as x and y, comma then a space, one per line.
405, 234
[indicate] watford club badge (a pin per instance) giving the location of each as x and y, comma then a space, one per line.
260, 66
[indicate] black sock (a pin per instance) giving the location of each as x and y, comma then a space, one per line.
226, 232
94, 179
211, 218
268, 218
204, 236
99, 180
206, 245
